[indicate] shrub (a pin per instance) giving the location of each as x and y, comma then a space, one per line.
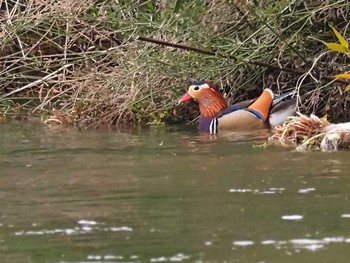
84, 58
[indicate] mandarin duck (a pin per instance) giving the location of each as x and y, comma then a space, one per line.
215, 114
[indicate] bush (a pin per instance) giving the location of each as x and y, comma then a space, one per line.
100, 74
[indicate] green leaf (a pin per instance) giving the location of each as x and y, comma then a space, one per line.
336, 47
341, 39
151, 7
178, 4
347, 88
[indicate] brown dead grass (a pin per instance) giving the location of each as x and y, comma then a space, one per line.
80, 62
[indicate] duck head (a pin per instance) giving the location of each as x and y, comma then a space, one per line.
210, 100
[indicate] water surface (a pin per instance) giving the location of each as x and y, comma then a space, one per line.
166, 194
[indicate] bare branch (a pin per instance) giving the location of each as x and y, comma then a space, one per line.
39, 81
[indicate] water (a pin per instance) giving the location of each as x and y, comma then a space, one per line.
167, 194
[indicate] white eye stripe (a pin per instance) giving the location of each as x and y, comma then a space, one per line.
202, 86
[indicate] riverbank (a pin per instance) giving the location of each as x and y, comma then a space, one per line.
83, 63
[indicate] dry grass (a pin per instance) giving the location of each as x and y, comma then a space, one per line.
299, 129
312, 133
78, 61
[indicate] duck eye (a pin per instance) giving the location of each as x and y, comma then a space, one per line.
196, 88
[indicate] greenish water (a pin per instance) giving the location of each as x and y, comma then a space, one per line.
168, 195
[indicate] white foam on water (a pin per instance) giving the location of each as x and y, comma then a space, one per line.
292, 217
208, 243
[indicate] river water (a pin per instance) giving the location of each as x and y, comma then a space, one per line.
167, 194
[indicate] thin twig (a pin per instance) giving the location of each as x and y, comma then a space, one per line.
9, 22
216, 54
48, 99
39, 81
301, 79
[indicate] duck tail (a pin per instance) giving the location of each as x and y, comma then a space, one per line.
283, 97
263, 103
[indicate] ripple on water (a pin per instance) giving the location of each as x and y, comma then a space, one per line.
309, 244
292, 217
296, 244
272, 190
109, 258
105, 257
87, 222
243, 243
345, 215
208, 243
268, 242
85, 227
306, 190
177, 258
